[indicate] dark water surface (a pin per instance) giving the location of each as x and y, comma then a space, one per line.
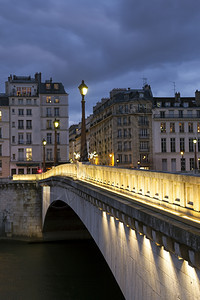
59, 270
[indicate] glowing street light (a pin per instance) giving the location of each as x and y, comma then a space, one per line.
56, 124
44, 142
83, 91
195, 153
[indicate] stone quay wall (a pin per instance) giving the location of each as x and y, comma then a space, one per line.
20, 209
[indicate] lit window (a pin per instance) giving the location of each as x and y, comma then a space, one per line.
48, 99
56, 86
56, 100
28, 154
0, 115
48, 86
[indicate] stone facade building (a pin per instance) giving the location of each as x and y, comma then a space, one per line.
4, 137
32, 107
121, 128
176, 128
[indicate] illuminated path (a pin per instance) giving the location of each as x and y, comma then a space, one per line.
151, 246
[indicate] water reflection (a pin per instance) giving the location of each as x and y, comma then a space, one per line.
61, 270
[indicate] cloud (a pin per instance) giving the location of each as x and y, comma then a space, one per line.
107, 43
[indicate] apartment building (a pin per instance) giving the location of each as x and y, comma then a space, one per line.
176, 133
4, 137
33, 106
121, 128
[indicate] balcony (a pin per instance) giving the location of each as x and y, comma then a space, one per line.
176, 116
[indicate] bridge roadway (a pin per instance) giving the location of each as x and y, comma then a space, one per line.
151, 247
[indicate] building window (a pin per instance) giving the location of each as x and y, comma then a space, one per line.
162, 114
173, 164
0, 115
56, 100
13, 111
119, 133
182, 144
125, 146
119, 146
29, 112
56, 86
28, 154
198, 127
28, 138
191, 163
143, 120
0, 150
56, 111
126, 158
20, 124
119, 121
180, 113
13, 139
21, 154
125, 133
164, 165
163, 145
124, 120
49, 124
173, 144
0, 133
48, 86
163, 127
20, 138
20, 112
49, 138
49, 155
20, 101
143, 132
144, 146
191, 145
130, 158
182, 164
48, 99
181, 127
190, 127
48, 112
18, 91
172, 127
28, 124
13, 124
120, 158
28, 101
21, 171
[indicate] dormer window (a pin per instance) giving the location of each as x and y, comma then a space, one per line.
48, 99
48, 86
56, 86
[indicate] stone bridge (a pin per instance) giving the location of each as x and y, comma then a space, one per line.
146, 224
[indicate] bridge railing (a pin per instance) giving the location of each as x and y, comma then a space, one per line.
163, 188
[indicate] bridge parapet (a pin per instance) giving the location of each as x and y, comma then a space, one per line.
165, 189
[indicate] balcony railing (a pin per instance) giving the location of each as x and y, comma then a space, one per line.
176, 116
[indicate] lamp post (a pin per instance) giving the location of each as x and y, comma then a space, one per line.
195, 153
83, 91
182, 167
56, 124
44, 142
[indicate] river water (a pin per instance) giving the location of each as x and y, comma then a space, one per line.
55, 271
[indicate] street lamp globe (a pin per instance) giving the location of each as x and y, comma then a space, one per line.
83, 88
56, 123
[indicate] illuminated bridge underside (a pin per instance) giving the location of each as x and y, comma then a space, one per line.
152, 253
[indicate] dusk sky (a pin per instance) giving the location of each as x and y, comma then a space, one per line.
108, 43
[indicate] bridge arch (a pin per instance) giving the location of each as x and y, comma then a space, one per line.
61, 222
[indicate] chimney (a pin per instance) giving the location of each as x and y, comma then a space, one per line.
177, 97
197, 98
38, 77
